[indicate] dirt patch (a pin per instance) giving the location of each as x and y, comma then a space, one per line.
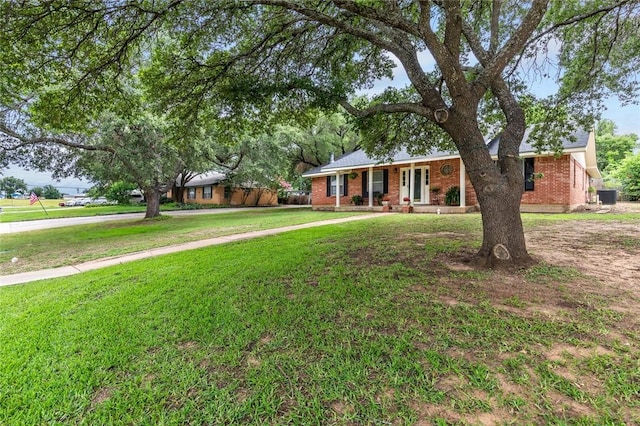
606, 253
101, 396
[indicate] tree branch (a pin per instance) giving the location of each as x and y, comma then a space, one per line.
387, 108
26, 141
495, 26
577, 18
495, 64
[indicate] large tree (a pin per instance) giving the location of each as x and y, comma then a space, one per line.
11, 184
311, 144
612, 148
134, 150
249, 57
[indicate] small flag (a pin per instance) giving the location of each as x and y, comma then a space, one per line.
33, 198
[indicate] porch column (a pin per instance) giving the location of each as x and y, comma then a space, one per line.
412, 179
370, 186
463, 183
337, 189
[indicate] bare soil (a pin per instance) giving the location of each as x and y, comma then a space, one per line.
598, 267
608, 251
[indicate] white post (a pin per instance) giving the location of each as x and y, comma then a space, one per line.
370, 186
463, 183
412, 181
337, 189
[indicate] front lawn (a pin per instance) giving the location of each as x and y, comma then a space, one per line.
374, 322
76, 244
35, 212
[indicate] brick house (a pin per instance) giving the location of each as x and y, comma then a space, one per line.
213, 188
552, 183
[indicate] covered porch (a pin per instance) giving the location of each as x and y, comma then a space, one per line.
422, 185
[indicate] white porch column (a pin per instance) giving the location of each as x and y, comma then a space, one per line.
463, 183
338, 189
412, 181
370, 186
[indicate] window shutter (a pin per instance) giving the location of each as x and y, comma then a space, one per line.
528, 174
385, 181
345, 179
328, 186
365, 185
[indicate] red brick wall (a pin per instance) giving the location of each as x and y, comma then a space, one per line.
267, 197
354, 187
436, 179
579, 189
556, 186
565, 182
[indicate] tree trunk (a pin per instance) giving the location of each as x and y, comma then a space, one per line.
499, 190
178, 193
152, 197
503, 242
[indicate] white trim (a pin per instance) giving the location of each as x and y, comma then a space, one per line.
410, 175
338, 193
370, 185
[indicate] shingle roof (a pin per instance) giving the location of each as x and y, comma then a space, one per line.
581, 140
360, 159
209, 178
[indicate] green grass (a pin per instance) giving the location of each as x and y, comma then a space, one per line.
36, 212
359, 323
76, 244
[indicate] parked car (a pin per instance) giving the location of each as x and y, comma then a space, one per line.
95, 201
71, 202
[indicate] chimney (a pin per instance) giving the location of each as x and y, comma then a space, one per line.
331, 159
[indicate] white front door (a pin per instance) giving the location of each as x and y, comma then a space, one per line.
418, 184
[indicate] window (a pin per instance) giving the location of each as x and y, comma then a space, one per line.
378, 181
191, 194
207, 192
528, 174
331, 185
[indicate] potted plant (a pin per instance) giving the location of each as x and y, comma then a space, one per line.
353, 175
407, 208
379, 197
452, 196
356, 200
386, 207
436, 195
592, 191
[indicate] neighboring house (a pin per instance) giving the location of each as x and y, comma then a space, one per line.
213, 188
552, 183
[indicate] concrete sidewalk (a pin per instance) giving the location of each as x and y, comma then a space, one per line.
64, 271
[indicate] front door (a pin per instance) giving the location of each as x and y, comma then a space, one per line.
420, 186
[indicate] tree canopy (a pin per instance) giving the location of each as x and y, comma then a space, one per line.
612, 148
11, 185
470, 65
